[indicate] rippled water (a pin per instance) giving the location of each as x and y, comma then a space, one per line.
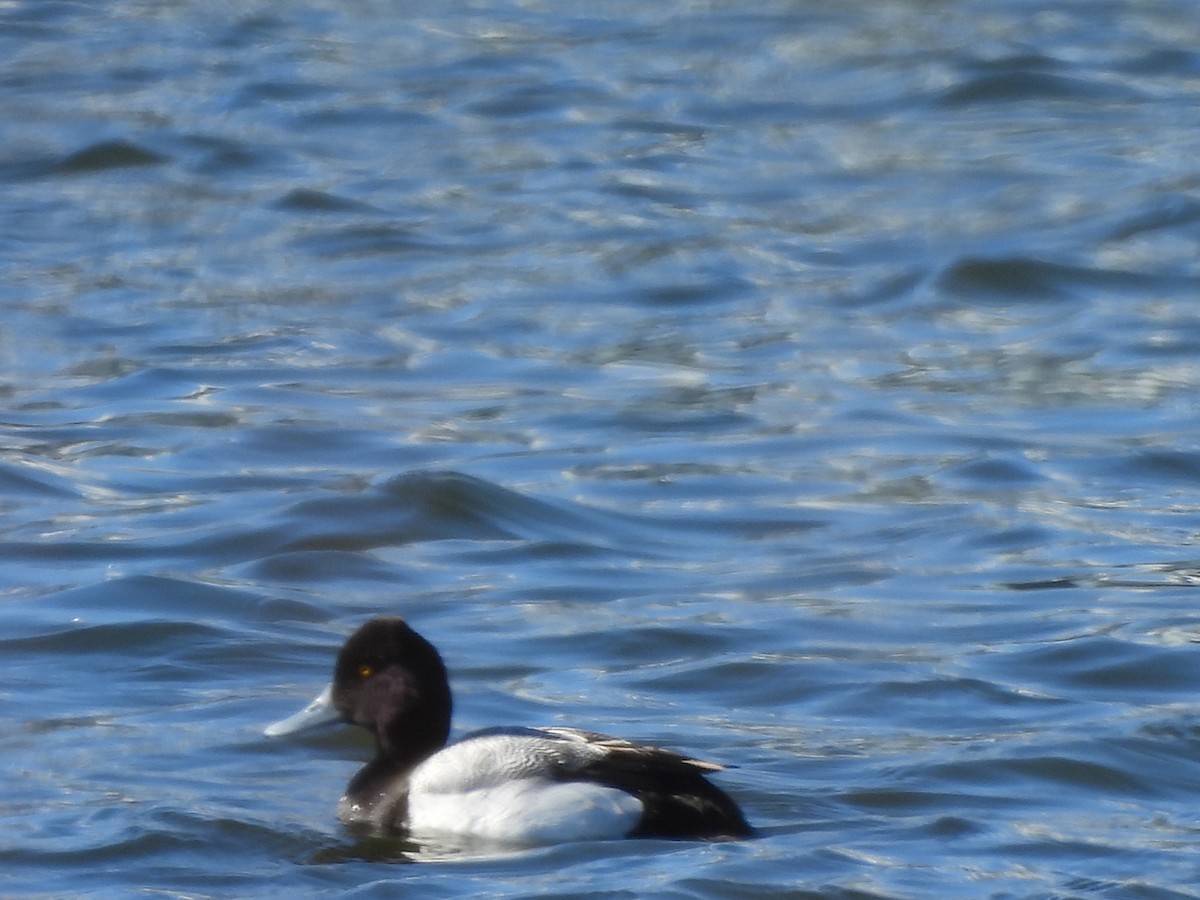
808, 388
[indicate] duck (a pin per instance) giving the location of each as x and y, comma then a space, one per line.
511, 785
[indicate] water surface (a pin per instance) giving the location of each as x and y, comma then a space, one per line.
808, 389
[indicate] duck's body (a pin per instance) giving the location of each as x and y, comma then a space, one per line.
517, 787
521, 785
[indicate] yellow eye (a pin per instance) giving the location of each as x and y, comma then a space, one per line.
366, 671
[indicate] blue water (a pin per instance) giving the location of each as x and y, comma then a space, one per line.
810, 388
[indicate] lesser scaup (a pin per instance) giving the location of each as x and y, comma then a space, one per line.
523, 785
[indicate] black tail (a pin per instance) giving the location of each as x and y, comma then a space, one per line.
677, 800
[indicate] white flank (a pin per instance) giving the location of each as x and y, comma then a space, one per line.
528, 811
502, 787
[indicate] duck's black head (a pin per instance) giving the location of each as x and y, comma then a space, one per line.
392, 681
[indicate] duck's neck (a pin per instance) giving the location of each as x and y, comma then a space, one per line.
378, 793
407, 744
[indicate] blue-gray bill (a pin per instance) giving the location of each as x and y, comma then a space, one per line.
319, 712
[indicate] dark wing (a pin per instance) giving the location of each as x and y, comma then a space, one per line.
678, 801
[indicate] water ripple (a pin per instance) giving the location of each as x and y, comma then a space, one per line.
807, 388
